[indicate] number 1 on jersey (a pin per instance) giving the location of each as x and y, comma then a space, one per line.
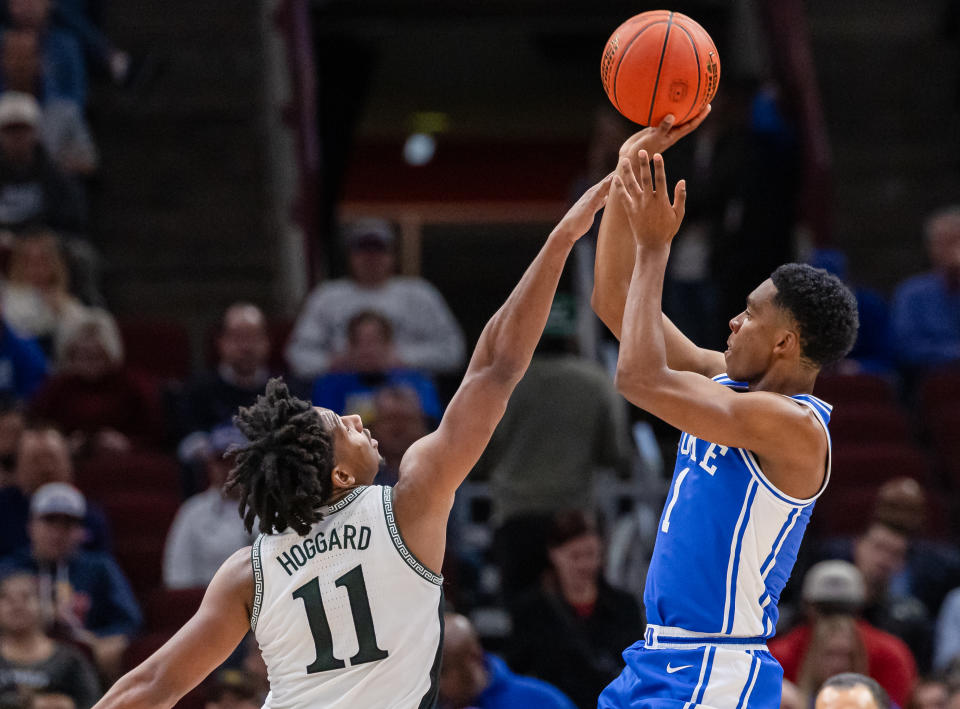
368, 650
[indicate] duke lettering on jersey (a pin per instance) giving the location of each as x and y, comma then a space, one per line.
345, 537
727, 540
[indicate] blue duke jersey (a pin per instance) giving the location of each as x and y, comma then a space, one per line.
727, 541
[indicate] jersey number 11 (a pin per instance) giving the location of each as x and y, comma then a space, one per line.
368, 650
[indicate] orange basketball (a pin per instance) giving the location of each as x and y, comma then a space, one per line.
660, 62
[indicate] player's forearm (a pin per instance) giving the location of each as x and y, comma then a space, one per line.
507, 343
643, 351
613, 267
136, 690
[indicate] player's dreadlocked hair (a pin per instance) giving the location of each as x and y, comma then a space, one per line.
283, 473
823, 307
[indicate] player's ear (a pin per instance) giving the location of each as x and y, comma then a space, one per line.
342, 478
788, 343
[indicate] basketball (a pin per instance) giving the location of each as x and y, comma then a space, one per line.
660, 62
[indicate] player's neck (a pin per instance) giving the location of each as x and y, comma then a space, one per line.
339, 493
786, 381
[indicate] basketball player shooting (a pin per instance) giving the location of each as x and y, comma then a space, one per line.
342, 587
754, 453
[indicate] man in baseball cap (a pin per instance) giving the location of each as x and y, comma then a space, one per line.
836, 587
82, 591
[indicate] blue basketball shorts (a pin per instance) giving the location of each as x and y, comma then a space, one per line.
711, 676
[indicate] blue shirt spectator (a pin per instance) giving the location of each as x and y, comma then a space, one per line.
471, 678
926, 308
354, 392
23, 367
87, 590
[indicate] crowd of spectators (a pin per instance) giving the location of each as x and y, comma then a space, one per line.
90, 556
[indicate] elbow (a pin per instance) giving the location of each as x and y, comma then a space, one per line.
635, 384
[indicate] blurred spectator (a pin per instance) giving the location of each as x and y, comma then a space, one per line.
368, 364
64, 133
233, 689
83, 594
471, 678
564, 420
946, 646
42, 457
880, 554
11, 427
929, 693
851, 691
873, 350
23, 366
36, 298
207, 528
425, 332
835, 589
926, 328
835, 647
64, 70
571, 630
399, 422
100, 404
243, 350
790, 697
30, 659
33, 189
254, 666
932, 567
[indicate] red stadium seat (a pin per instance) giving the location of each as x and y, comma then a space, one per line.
280, 330
838, 389
938, 390
140, 522
166, 610
876, 462
843, 511
105, 474
158, 347
868, 422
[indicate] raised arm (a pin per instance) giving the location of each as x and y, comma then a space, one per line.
433, 467
197, 649
616, 254
786, 436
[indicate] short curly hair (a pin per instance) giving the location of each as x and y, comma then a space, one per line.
283, 473
823, 307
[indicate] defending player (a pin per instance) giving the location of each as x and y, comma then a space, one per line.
341, 588
753, 457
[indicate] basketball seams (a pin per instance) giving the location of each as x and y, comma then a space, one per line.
623, 55
696, 54
663, 53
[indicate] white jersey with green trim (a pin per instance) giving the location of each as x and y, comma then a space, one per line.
346, 616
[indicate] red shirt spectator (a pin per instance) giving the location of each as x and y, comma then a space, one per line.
888, 658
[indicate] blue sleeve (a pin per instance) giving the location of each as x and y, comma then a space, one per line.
64, 68
30, 368
119, 612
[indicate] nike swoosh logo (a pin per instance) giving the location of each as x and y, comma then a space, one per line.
671, 670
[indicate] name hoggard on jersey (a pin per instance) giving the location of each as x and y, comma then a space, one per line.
344, 537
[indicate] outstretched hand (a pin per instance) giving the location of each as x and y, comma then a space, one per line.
657, 139
653, 220
579, 218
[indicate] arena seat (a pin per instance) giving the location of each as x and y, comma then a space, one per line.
106, 474
854, 388
873, 463
157, 347
166, 609
845, 510
939, 389
868, 421
140, 522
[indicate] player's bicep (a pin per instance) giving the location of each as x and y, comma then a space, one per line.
763, 422
441, 460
